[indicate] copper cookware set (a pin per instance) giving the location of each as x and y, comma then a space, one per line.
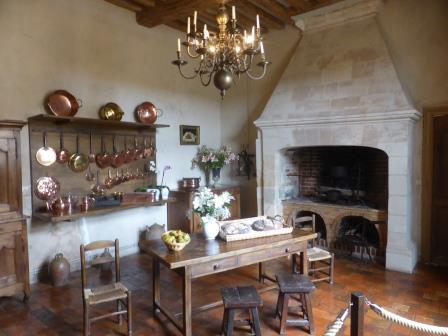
63, 104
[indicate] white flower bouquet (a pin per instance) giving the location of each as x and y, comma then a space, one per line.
212, 207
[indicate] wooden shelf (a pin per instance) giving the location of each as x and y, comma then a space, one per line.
79, 121
97, 212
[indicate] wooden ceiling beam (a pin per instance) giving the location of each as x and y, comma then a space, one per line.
129, 5
168, 12
300, 5
274, 8
146, 3
250, 11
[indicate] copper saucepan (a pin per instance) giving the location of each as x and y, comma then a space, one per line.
128, 153
91, 154
78, 162
45, 155
117, 157
62, 155
103, 159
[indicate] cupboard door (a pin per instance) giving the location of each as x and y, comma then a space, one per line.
8, 265
9, 175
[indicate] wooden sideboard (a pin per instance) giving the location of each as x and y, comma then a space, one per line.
14, 269
182, 217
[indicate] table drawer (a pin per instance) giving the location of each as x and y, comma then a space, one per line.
214, 266
272, 253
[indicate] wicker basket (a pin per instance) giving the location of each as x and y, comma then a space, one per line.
251, 234
176, 246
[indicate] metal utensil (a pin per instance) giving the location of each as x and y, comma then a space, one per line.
78, 162
147, 113
91, 154
97, 189
138, 152
117, 158
62, 155
46, 187
128, 154
63, 103
45, 155
109, 181
103, 159
90, 176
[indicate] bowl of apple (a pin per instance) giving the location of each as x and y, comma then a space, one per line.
176, 240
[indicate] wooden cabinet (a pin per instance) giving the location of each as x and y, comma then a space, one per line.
14, 273
182, 217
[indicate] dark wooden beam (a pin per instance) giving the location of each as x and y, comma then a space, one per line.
146, 3
248, 10
274, 8
129, 5
168, 12
301, 5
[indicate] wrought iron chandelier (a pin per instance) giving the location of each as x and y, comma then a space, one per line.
225, 54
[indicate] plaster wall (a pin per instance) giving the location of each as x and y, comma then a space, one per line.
244, 103
97, 51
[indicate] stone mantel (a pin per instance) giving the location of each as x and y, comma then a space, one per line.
403, 115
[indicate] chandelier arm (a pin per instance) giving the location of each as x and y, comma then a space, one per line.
185, 76
189, 53
206, 83
254, 77
248, 65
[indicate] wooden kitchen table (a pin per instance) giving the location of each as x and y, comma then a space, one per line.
204, 257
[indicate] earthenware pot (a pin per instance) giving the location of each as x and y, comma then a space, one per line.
59, 270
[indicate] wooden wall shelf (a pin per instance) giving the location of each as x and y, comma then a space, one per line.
92, 122
45, 216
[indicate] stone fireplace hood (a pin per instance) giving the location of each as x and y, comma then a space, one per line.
341, 88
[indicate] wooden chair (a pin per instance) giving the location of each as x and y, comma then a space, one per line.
114, 292
320, 261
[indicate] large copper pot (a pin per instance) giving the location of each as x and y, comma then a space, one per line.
147, 113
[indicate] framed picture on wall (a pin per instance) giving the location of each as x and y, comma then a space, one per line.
189, 135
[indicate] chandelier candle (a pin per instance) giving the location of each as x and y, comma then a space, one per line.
224, 55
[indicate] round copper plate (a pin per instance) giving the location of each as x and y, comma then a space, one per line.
62, 103
46, 187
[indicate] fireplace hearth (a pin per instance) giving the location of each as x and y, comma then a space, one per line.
341, 89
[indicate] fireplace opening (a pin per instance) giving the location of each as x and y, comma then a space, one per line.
345, 175
320, 228
358, 230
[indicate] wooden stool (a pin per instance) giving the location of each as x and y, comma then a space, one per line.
294, 284
240, 298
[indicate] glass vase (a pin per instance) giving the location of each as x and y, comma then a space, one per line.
216, 175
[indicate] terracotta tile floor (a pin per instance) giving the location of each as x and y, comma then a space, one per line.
422, 296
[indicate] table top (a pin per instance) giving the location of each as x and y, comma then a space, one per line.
200, 250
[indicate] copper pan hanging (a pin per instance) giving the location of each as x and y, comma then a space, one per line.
62, 155
45, 155
103, 159
78, 162
117, 157
62, 103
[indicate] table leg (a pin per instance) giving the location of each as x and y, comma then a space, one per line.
155, 285
186, 309
261, 272
304, 262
